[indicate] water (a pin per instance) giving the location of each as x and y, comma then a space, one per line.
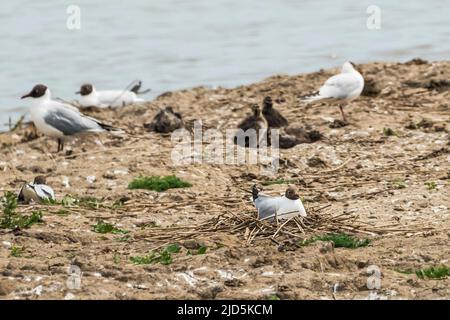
177, 44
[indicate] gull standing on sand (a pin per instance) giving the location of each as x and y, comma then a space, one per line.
284, 207
59, 120
342, 88
37, 191
90, 97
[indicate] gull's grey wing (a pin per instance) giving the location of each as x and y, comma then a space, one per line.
340, 86
69, 121
266, 206
44, 191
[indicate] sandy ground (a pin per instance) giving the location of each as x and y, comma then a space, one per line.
361, 170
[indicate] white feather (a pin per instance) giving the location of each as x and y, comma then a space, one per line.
345, 86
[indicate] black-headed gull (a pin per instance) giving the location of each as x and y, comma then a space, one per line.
59, 120
90, 97
37, 191
341, 88
274, 118
287, 206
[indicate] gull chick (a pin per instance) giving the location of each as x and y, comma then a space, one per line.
256, 122
165, 121
59, 120
274, 118
36, 192
283, 207
341, 88
90, 97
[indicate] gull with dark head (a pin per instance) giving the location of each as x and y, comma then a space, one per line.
90, 97
285, 207
341, 88
37, 191
59, 120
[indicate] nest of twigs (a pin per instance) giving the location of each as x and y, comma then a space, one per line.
248, 227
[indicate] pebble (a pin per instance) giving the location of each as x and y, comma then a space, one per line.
326, 247
6, 244
90, 179
69, 296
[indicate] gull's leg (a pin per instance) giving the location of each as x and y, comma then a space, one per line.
342, 113
60, 145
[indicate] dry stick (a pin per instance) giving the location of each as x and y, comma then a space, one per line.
100, 151
281, 227
338, 167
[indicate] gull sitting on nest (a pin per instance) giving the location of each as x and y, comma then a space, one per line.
285, 207
36, 192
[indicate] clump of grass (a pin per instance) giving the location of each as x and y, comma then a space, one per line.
13, 220
118, 204
399, 184
116, 258
340, 240
273, 297
431, 185
63, 212
72, 201
16, 251
389, 132
407, 271
440, 272
90, 202
164, 257
158, 183
104, 227
199, 251
68, 201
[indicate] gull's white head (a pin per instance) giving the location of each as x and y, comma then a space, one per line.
86, 89
39, 92
348, 66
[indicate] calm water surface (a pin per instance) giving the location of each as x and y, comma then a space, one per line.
175, 44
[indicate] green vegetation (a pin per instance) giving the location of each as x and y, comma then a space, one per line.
440, 272
389, 132
431, 185
164, 257
340, 240
407, 271
13, 220
399, 184
63, 212
16, 251
104, 227
273, 297
116, 258
201, 250
158, 183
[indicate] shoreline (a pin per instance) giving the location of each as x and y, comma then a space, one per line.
382, 176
